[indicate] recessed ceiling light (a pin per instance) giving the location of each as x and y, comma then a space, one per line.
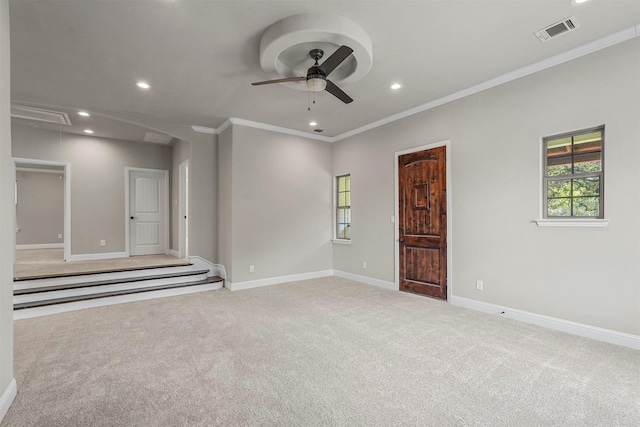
89, 131
83, 114
577, 2
313, 124
396, 86
143, 85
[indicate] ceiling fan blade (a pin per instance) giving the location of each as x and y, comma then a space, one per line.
285, 80
337, 92
334, 60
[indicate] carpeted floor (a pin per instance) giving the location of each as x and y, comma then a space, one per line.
35, 263
322, 352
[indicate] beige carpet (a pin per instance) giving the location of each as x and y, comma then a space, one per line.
322, 352
34, 263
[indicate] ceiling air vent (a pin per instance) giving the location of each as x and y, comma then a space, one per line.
157, 138
557, 29
318, 130
40, 115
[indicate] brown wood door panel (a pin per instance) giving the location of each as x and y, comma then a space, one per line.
423, 222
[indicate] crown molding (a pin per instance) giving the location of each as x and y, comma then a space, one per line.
273, 128
550, 62
224, 125
204, 129
561, 58
258, 125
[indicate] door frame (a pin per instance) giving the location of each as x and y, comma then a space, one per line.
183, 209
165, 220
66, 233
396, 233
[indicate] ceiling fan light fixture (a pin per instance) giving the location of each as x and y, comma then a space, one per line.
316, 84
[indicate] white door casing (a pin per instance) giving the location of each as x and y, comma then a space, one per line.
183, 210
67, 196
449, 190
147, 213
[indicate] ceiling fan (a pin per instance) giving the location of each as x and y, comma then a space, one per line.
317, 75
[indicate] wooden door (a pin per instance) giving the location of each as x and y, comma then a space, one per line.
147, 210
422, 222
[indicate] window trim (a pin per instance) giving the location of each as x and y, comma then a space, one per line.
336, 196
579, 222
574, 221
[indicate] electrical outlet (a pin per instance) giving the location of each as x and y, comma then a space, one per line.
103, 243
59, 236
364, 264
479, 285
252, 268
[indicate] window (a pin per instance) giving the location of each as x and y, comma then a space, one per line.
574, 174
343, 207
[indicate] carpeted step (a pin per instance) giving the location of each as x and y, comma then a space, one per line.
97, 295
91, 284
100, 271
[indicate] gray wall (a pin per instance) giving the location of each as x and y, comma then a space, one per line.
40, 208
7, 231
97, 180
203, 190
203, 181
586, 275
281, 211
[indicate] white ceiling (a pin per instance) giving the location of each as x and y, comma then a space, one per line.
201, 56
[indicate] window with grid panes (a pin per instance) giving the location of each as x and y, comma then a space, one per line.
574, 174
343, 207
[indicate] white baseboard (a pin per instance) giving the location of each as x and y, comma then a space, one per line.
368, 280
41, 246
593, 332
580, 329
239, 286
94, 257
7, 398
214, 269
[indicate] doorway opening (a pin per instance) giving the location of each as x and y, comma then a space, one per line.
42, 206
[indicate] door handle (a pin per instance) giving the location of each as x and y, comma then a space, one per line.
400, 240
133, 217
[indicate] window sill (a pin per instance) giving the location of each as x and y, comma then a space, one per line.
341, 241
573, 222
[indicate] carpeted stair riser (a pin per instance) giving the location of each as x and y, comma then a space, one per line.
43, 292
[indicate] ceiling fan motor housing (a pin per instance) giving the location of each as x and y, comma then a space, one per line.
316, 54
316, 79
316, 82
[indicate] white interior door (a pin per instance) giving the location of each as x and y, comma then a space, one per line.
148, 212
